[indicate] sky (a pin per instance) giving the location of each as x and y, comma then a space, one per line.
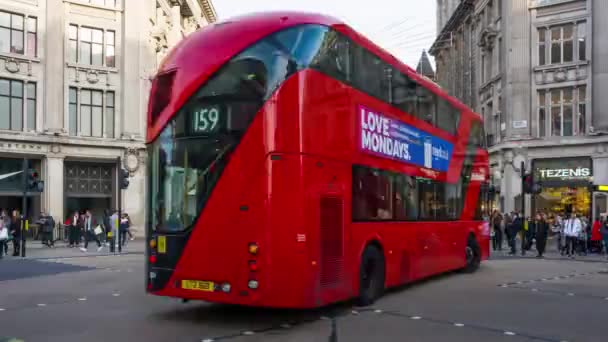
402, 27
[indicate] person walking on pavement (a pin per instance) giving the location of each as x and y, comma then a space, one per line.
115, 224
604, 232
3, 238
542, 231
89, 232
74, 230
515, 228
572, 229
47, 223
496, 226
596, 235
15, 230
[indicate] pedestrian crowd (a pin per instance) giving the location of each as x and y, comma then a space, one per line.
575, 234
81, 228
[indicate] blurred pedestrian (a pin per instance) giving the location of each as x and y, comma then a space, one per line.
542, 230
91, 232
496, 220
74, 229
3, 238
596, 236
16, 231
516, 226
572, 230
604, 232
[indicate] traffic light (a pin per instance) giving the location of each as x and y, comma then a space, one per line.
123, 178
34, 183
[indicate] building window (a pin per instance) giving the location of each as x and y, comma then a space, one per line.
563, 47
110, 50
581, 32
109, 119
542, 113
86, 46
483, 68
565, 102
582, 110
30, 91
11, 33
32, 36
542, 53
86, 113
13, 102
73, 119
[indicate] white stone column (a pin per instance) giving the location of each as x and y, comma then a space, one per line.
134, 200
53, 39
53, 187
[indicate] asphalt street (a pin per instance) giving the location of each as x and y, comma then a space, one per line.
100, 297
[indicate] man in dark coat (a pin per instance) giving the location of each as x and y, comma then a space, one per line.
542, 231
516, 226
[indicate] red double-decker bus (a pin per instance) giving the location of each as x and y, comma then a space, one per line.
293, 163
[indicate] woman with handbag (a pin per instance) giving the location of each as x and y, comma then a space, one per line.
90, 232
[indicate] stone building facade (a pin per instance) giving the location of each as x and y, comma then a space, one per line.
74, 82
536, 70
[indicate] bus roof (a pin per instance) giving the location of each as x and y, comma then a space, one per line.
201, 54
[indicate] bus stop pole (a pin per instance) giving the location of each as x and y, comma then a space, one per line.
24, 209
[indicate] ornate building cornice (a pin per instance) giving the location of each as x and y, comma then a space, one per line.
208, 10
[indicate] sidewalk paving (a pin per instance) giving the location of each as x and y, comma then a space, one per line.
36, 250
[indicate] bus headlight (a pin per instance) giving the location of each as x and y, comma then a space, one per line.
226, 287
253, 284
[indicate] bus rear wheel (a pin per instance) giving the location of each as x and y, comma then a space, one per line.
371, 276
472, 255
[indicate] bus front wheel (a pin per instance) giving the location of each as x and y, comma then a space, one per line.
371, 275
472, 255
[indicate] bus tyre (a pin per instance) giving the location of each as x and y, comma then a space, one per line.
371, 276
473, 255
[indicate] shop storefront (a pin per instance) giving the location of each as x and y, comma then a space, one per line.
566, 185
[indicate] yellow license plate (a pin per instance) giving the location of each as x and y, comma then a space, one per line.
197, 285
162, 244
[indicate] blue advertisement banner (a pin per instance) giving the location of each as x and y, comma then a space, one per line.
390, 138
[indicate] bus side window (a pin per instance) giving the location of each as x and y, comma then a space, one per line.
426, 105
448, 117
333, 57
372, 194
370, 73
403, 92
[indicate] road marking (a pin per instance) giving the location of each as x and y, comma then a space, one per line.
41, 304
571, 294
207, 340
460, 325
248, 333
115, 294
82, 299
1, 309
324, 318
534, 290
510, 333
378, 311
416, 317
355, 312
